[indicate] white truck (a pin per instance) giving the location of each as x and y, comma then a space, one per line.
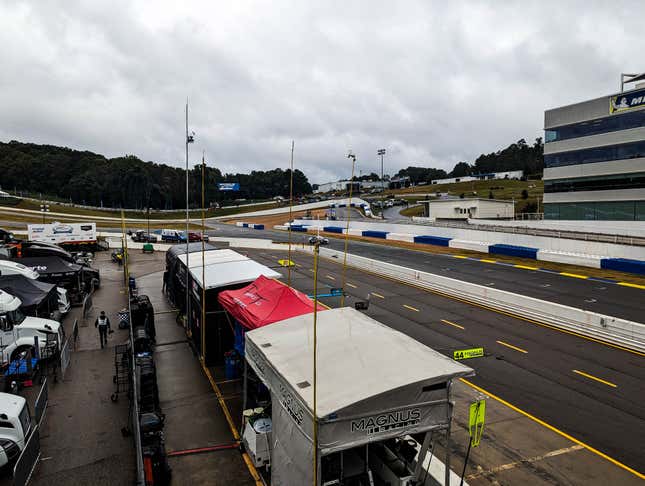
15, 427
14, 268
17, 331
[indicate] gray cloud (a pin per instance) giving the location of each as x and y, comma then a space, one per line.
432, 82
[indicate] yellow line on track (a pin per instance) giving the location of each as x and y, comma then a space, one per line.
486, 260
574, 275
377, 295
526, 267
513, 347
351, 285
330, 277
555, 429
410, 307
635, 286
454, 324
595, 378
460, 256
492, 309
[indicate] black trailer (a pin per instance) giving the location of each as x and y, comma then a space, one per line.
175, 274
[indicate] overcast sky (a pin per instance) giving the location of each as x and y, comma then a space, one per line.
432, 82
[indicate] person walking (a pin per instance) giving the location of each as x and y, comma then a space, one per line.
103, 324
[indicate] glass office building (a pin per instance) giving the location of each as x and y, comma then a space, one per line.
594, 158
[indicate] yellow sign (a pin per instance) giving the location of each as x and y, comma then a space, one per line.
476, 421
468, 353
286, 263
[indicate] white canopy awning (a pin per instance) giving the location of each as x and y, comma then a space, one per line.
212, 256
230, 269
358, 359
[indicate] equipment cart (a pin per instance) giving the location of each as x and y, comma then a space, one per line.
122, 374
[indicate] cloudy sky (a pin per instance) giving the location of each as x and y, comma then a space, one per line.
432, 82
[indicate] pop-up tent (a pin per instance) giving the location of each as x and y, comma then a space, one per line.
373, 383
38, 299
265, 301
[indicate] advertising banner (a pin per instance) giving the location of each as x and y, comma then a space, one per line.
228, 186
63, 233
627, 101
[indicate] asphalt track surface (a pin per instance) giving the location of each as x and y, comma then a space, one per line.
592, 295
530, 366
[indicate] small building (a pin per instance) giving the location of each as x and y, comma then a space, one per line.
511, 174
475, 208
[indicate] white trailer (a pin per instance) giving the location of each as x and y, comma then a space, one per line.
63, 233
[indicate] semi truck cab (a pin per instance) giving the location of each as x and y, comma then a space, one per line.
17, 331
15, 427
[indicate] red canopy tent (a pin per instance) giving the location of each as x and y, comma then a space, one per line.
265, 301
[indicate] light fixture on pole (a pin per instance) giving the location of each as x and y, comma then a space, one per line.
381, 152
350, 155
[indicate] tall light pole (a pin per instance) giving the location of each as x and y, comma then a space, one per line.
381, 152
190, 138
350, 155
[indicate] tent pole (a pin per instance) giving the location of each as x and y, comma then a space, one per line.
203, 306
244, 394
290, 212
315, 344
447, 471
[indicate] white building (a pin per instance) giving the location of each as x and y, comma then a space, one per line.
468, 209
511, 174
331, 187
4, 194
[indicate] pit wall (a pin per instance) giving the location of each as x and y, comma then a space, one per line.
574, 252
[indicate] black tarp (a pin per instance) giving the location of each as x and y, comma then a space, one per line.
38, 298
50, 266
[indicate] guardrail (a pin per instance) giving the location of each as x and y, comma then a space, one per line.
611, 329
28, 459
551, 233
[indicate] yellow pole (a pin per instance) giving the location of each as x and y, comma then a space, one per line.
290, 210
349, 212
315, 380
125, 254
203, 265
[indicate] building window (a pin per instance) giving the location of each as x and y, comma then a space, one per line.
599, 183
597, 154
614, 123
600, 211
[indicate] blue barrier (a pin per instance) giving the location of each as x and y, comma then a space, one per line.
512, 250
258, 226
375, 234
623, 265
299, 228
432, 240
245, 225
342, 205
333, 229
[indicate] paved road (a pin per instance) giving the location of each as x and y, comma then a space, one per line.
530, 366
605, 298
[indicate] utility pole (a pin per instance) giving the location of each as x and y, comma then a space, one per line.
381, 152
189, 139
44, 208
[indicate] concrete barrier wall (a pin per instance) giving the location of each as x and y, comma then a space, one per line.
623, 265
607, 328
469, 245
592, 261
563, 245
400, 237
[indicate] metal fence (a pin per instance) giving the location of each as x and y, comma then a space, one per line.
65, 356
552, 233
87, 305
28, 459
42, 400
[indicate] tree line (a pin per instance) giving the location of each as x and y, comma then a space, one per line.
517, 156
84, 177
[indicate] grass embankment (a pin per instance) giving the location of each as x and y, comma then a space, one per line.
412, 211
508, 189
71, 210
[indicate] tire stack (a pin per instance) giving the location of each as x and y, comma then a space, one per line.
151, 419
